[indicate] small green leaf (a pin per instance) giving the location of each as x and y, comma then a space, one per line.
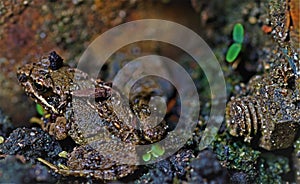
233, 52
238, 33
40, 109
63, 154
147, 157
1, 139
157, 150
154, 155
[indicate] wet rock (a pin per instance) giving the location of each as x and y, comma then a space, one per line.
166, 170
239, 178
5, 125
12, 170
205, 168
31, 143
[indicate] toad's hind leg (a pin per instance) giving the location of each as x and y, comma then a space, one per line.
110, 174
65, 171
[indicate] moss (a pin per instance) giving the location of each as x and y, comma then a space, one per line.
271, 167
236, 156
241, 159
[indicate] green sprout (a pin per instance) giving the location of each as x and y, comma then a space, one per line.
41, 111
238, 33
156, 151
147, 157
235, 48
233, 52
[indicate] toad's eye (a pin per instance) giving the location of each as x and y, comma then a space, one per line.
39, 87
22, 78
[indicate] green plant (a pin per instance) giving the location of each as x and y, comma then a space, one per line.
238, 33
156, 151
147, 157
236, 47
233, 52
40, 109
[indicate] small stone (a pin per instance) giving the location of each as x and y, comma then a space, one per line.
252, 20
32, 134
43, 35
